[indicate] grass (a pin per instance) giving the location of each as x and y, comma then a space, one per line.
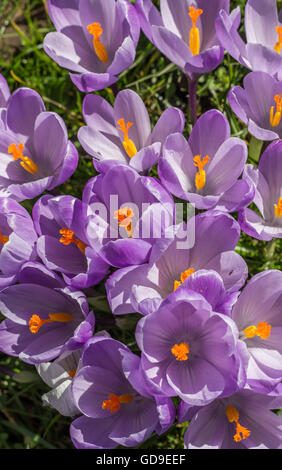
24, 422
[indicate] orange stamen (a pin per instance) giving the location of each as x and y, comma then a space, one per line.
128, 144
113, 404
233, 416
36, 322
72, 373
26, 162
200, 178
183, 277
68, 238
275, 118
194, 42
278, 45
96, 30
263, 330
278, 208
3, 238
180, 351
124, 217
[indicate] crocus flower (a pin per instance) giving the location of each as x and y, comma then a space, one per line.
35, 151
58, 375
257, 314
41, 322
116, 404
63, 245
4, 96
17, 240
266, 179
94, 38
185, 32
210, 267
190, 351
205, 170
123, 133
263, 32
259, 105
134, 212
241, 421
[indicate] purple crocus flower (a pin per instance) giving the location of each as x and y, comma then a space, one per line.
263, 32
210, 266
257, 314
266, 180
41, 322
63, 245
94, 38
185, 32
35, 151
205, 170
190, 351
134, 212
17, 240
241, 421
4, 96
58, 375
259, 105
123, 133
117, 406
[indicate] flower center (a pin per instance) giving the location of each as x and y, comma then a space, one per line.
194, 42
3, 238
113, 404
128, 144
278, 45
278, 208
68, 238
262, 329
96, 30
124, 217
183, 276
200, 178
180, 351
36, 322
26, 162
233, 416
71, 373
275, 118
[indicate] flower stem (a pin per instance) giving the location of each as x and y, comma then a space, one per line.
192, 87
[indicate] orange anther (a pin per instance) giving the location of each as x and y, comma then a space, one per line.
26, 163
194, 42
128, 144
3, 238
124, 217
36, 322
200, 178
183, 277
233, 416
96, 30
113, 404
278, 45
180, 351
68, 238
278, 208
275, 117
263, 330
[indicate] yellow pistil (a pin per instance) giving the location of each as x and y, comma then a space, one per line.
194, 42
68, 238
233, 416
200, 178
262, 329
96, 30
183, 276
3, 238
278, 208
36, 322
278, 45
275, 118
128, 144
26, 162
113, 404
124, 217
72, 373
180, 351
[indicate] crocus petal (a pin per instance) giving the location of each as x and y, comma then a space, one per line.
261, 19
63, 12
88, 82
171, 121
171, 46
